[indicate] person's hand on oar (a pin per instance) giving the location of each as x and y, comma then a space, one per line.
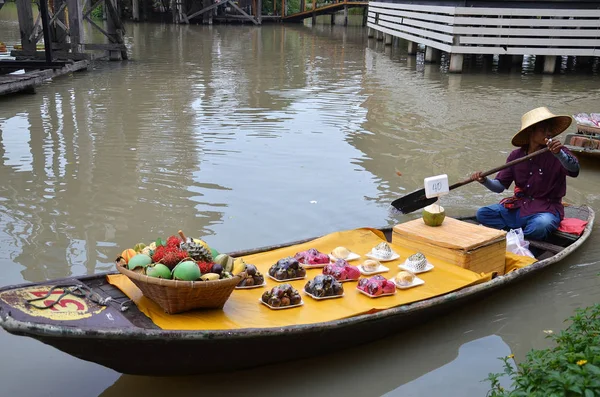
478, 177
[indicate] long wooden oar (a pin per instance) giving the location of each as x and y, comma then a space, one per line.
416, 200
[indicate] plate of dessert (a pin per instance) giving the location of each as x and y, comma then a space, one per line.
383, 253
342, 271
343, 253
416, 263
376, 287
312, 258
287, 269
282, 296
371, 266
254, 279
405, 280
324, 286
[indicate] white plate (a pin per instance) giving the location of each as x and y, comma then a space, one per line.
393, 257
380, 269
315, 266
286, 280
416, 282
323, 297
281, 307
378, 296
428, 267
253, 286
350, 257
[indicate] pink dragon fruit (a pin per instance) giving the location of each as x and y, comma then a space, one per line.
312, 257
341, 270
388, 287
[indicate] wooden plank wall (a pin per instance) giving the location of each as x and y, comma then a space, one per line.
503, 31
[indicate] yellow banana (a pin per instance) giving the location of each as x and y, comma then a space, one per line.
238, 266
210, 277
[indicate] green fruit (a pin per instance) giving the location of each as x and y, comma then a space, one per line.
139, 260
226, 261
214, 252
139, 247
433, 215
158, 270
186, 271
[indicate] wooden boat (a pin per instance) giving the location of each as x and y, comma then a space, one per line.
586, 142
128, 342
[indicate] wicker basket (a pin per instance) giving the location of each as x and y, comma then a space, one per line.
180, 296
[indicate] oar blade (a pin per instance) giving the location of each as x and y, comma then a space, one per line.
413, 201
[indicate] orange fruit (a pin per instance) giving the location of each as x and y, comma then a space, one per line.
128, 254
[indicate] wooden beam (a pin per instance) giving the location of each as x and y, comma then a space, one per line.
115, 23
104, 32
25, 15
76, 31
242, 12
202, 11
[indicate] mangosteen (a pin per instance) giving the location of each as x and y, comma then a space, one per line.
258, 279
274, 301
217, 268
281, 274
301, 272
291, 273
266, 296
295, 299
249, 281
285, 301
251, 269
242, 283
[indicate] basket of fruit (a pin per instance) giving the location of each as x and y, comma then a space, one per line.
181, 274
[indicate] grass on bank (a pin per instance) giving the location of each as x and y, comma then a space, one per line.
571, 368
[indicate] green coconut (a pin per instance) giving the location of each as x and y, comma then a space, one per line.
433, 215
139, 260
186, 271
158, 270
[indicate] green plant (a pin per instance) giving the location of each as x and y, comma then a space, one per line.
571, 368
97, 12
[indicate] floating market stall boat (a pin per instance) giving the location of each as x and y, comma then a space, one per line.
586, 141
96, 323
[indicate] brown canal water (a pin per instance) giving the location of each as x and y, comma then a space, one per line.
255, 136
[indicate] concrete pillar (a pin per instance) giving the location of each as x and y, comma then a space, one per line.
379, 35
432, 55
549, 64
412, 48
365, 16
333, 19
388, 39
370, 32
456, 63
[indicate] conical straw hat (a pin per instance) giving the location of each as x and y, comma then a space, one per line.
559, 123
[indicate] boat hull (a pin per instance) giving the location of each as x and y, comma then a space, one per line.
131, 344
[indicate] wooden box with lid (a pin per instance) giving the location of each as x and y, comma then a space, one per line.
470, 246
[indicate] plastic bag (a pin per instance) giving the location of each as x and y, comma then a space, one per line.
516, 243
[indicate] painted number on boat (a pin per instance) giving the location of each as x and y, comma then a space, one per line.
67, 308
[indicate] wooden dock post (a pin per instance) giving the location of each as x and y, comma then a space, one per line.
25, 15
346, 15
75, 25
370, 32
259, 11
412, 48
135, 10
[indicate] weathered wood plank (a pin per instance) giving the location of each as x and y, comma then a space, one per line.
12, 83
251, 18
25, 16
76, 31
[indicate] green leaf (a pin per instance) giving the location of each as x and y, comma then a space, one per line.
160, 241
589, 393
592, 369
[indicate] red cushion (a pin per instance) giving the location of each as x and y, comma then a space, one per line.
572, 226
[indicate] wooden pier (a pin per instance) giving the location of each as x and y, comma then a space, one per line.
28, 81
511, 29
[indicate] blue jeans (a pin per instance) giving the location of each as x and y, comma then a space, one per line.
536, 226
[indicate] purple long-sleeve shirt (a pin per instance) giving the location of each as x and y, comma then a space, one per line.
542, 179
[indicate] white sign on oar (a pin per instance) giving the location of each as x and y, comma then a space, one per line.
436, 186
